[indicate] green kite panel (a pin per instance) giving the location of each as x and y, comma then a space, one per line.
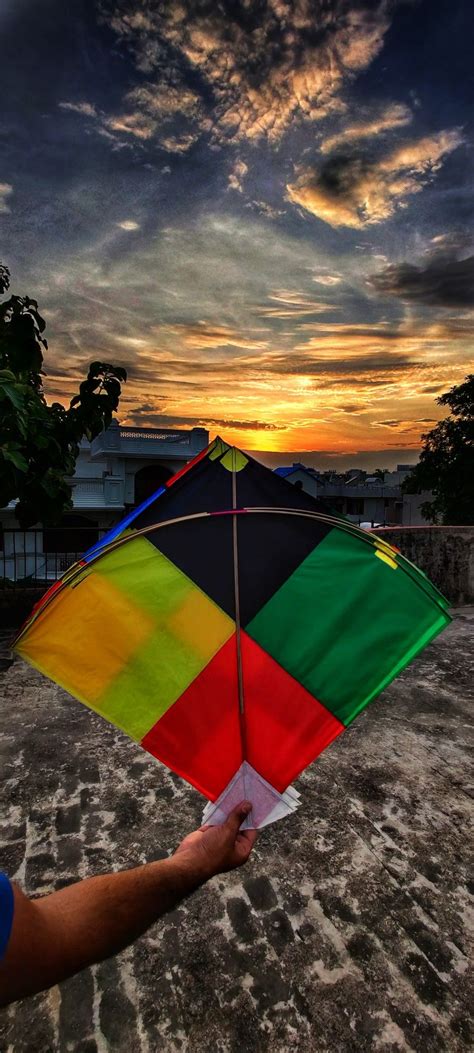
346, 622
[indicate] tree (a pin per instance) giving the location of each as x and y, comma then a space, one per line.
39, 444
446, 465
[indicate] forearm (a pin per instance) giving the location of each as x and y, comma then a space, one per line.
60, 934
102, 915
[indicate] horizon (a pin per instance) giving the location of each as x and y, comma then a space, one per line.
262, 211
337, 462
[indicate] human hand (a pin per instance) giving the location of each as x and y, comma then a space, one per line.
216, 849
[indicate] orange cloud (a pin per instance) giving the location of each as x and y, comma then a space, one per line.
394, 116
238, 173
300, 75
353, 191
292, 304
202, 335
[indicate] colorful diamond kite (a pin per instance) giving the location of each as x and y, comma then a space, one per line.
233, 628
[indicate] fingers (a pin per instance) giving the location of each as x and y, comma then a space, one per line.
244, 844
236, 817
249, 836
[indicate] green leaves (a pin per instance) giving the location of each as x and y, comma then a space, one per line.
12, 454
13, 393
446, 465
39, 444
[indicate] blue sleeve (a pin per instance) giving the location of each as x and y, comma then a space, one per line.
6, 913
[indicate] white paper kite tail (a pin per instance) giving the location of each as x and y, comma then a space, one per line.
268, 804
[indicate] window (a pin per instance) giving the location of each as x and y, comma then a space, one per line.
355, 506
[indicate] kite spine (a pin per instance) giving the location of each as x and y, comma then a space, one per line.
240, 678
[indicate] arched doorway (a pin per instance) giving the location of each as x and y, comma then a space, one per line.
149, 479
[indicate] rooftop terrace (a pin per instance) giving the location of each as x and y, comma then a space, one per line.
347, 931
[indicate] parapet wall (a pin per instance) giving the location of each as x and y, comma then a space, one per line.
445, 553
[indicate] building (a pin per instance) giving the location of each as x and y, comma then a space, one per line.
360, 497
304, 478
397, 477
123, 466
114, 473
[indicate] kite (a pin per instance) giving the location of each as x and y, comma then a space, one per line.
233, 628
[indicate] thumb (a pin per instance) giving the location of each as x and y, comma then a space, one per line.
236, 817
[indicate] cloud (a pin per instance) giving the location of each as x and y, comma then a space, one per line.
5, 190
147, 110
236, 176
86, 109
264, 209
441, 281
404, 425
260, 67
394, 116
163, 101
199, 339
138, 124
178, 144
246, 425
451, 242
354, 190
129, 224
327, 279
293, 304
147, 413
341, 359
202, 334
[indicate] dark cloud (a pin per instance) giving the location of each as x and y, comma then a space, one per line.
149, 414
367, 364
433, 389
405, 424
442, 281
354, 189
253, 425
143, 416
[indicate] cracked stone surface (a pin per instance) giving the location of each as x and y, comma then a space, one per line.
347, 931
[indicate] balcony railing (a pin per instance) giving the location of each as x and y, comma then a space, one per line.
183, 437
150, 442
39, 556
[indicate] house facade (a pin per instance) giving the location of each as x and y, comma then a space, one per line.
123, 466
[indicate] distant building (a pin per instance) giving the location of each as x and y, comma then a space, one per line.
360, 497
397, 478
304, 478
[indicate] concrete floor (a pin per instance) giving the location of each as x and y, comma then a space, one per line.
348, 930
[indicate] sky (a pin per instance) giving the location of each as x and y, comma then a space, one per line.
262, 209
